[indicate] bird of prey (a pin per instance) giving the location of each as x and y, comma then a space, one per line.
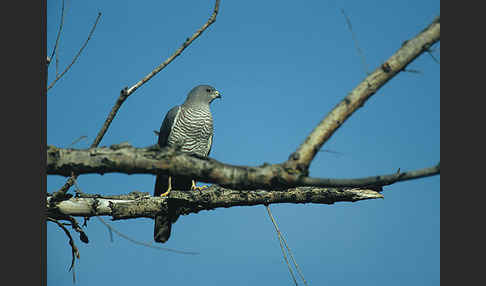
189, 128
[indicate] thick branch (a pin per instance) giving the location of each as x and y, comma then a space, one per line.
123, 158
410, 50
143, 205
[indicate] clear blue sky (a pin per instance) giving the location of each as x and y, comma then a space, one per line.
281, 66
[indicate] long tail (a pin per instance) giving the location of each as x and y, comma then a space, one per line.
162, 228
162, 225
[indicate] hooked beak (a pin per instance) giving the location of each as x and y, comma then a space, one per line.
217, 94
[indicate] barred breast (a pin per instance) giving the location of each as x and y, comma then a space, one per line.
192, 131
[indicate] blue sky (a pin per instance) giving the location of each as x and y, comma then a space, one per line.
281, 66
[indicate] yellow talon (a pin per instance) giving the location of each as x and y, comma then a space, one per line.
168, 188
194, 187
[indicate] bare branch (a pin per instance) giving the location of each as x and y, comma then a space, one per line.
54, 51
179, 51
360, 52
301, 159
380, 180
123, 158
433, 57
74, 249
193, 202
126, 92
74, 224
282, 239
60, 213
61, 193
77, 140
78, 54
412, 71
112, 229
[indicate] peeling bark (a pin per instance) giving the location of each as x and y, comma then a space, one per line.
138, 205
124, 158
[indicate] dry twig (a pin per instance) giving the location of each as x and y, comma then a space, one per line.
360, 52
282, 239
74, 249
112, 229
78, 54
54, 51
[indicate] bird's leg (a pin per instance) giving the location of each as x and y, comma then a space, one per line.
168, 188
194, 187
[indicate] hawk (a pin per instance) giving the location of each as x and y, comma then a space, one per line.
189, 128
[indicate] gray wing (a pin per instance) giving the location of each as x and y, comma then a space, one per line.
210, 144
167, 125
163, 224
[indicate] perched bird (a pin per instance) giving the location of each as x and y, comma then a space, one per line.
189, 128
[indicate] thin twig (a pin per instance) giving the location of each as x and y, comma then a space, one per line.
75, 225
281, 246
144, 243
281, 237
331, 151
186, 43
412, 71
77, 140
54, 51
380, 180
433, 57
360, 52
61, 193
74, 249
78, 54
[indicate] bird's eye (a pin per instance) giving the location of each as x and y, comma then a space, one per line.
208, 90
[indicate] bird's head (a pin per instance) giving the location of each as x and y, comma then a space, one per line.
202, 94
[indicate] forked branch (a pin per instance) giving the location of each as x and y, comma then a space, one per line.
123, 158
411, 49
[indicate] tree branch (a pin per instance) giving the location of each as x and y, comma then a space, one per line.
74, 249
123, 158
136, 205
360, 52
78, 54
54, 51
126, 92
282, 241
411, 49
179, 51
